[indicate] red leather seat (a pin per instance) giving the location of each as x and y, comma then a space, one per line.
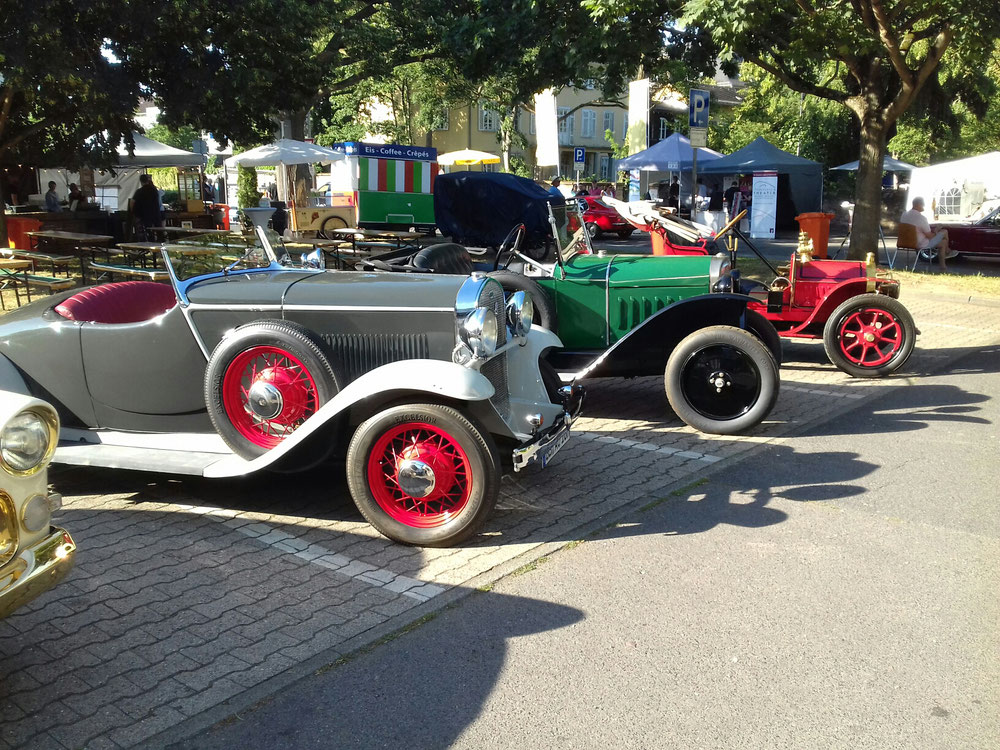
121, 302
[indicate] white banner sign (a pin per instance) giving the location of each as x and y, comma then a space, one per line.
764, 206
638, 115
546, 129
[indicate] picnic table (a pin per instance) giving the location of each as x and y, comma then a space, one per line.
182, 231
360, 244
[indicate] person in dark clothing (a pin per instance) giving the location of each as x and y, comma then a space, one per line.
146, 204
715, 198
730, 196
675, 194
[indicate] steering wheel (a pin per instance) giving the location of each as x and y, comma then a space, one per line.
510, 245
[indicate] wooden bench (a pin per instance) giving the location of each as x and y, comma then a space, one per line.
110, 269
54, 261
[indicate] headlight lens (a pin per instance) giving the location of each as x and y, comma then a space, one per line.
35, 514
480, 332
28, 441
520, 311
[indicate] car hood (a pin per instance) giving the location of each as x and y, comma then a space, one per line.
380, 289
659, 271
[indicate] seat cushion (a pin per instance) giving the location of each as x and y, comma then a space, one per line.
121, 302
447, 257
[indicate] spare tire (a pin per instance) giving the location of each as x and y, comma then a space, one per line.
545, 309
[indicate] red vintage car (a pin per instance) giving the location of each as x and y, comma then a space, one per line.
600, 217
980, 237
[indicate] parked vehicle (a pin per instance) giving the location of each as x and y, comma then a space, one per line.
979, 237
477, 209
34, 554
425, 382
626, 315
851, 305
599, 218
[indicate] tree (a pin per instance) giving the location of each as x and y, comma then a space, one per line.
872, 56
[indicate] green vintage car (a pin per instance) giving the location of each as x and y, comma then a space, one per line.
672, 316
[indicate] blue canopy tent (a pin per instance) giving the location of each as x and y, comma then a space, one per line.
672, 155
888, 165
804, 180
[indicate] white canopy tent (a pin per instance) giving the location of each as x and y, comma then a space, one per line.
954, 190
116, 185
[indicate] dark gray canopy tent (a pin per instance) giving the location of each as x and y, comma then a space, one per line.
805, 176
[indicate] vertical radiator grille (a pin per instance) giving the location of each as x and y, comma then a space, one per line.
357, 353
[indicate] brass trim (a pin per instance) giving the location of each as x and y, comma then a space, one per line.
8, 540
52, 421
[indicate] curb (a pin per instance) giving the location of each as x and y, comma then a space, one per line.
957, 297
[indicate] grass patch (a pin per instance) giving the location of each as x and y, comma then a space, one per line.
419, 622
533, 565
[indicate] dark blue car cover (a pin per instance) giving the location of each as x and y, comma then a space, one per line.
480, 208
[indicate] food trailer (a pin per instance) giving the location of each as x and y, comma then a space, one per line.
379, 186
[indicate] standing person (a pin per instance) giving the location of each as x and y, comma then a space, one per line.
675, 194
52, 199
554, 191
75, 197
715, 206
733, 197
146, 205
926, 237
702, 194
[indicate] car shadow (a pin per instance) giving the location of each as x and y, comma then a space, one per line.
420, 689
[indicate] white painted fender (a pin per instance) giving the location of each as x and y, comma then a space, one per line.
427, 375
10, 379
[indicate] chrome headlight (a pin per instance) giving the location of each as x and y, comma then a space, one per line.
479, 331
520, 311
718, 271
28, 441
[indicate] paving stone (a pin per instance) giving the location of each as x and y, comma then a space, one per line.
93, 726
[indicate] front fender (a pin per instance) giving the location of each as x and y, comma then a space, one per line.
436, 377
644, 350
11, 379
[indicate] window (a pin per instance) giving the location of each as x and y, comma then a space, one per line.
489, 119
609, 122
565, 123
625, 126
107, 196
491, 167
443, 120
588, 123
664, 128
949, 202
605, 170
531, 124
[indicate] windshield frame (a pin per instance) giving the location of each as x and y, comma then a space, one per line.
579, 243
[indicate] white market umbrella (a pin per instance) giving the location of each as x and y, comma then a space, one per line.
285, 152
468, 156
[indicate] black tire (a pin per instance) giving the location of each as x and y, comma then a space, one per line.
764, 329
625, 233
593, 230
303, 386
473, 474
721, 357
883, 318
329, 224
545, 309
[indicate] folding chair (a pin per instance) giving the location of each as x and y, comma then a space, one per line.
906, 239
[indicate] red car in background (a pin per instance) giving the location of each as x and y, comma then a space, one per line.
981, 237
599, 217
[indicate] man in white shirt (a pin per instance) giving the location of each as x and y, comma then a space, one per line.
926, 238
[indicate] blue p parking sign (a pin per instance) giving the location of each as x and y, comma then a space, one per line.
698, 108
579, 156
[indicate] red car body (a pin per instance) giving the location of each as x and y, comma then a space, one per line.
600, 217
981, 237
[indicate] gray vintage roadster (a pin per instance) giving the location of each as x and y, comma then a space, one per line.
424, 382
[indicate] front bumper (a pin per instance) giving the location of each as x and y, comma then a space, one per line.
545, 445
36, 570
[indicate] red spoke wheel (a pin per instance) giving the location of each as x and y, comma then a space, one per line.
423, 474
263, 381
869, 336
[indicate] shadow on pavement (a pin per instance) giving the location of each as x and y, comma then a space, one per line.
419, 690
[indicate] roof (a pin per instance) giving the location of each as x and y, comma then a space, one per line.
150, 153
760, 156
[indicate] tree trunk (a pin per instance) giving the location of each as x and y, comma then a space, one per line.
4, 241
868, 191
301, 171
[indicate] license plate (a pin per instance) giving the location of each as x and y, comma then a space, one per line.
550, 450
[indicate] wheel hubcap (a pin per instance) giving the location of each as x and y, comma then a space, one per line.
870, 337
267, 393
419, 475
721, 382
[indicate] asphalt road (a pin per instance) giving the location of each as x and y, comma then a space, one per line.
836, 590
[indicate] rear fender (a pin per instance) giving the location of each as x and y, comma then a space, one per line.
645, 349
429, 378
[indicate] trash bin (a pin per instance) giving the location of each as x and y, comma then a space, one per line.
817, 226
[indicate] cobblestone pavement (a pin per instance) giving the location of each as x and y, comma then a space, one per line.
192, 598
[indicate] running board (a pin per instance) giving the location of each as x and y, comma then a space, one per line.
180, 453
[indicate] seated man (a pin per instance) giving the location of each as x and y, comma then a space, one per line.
926, 238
